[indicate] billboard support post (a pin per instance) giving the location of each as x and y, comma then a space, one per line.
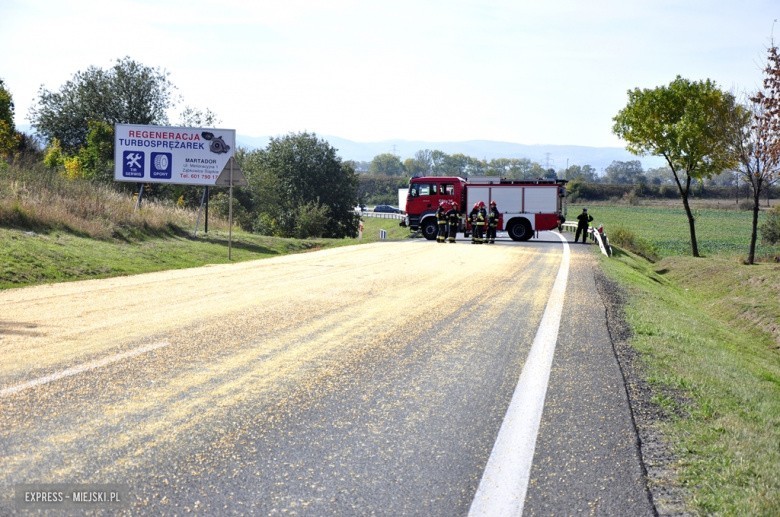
206, 220
200, 209
140, 195
230, 216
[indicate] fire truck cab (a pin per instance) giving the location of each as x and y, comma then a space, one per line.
525, 206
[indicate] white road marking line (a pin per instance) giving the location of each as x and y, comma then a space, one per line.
504, 483
81, 368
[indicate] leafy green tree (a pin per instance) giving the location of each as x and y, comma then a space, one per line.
624, 173
420, 165
514, 168
97, 156
453, 164
128, 93
312, 220
681, 123
439, 163
387, 164
9, 138
300, 175
660, 176
584, 173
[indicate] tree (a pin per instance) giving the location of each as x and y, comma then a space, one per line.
659, 176
755, 139
193, 117
420, 165
127, 93
624, 173
9, 138
455, 165
97, 156
299, 180
584, 173
387, 164
681, 123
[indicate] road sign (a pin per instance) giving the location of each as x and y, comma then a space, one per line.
237, 175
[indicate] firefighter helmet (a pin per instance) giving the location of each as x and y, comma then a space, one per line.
481, 204
476, 205
492, 203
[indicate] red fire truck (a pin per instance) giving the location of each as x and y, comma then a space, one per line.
526, 206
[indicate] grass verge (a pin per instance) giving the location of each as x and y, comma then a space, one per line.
30, 257
707, 334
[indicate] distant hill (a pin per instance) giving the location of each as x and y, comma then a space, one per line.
557, 156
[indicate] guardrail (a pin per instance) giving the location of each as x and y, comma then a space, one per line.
594, 235
381, 215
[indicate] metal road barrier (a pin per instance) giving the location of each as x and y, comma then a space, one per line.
381, 215
594, 235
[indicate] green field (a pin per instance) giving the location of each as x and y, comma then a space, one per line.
718, 231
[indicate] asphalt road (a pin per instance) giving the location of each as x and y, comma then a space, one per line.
353, 381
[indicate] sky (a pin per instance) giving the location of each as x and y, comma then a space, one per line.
552, 72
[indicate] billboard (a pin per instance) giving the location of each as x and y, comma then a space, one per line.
178, 155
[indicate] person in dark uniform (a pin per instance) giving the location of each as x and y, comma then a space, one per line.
582, 225
441, 220
453, 221
473, 215
492, 223
481, 222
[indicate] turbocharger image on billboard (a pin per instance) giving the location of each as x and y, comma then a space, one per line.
178, 155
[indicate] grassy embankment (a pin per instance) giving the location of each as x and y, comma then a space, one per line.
36, 257
708, 334
54, 230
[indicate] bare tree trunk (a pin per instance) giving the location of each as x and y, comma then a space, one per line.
691, 226
756, 184
684, 194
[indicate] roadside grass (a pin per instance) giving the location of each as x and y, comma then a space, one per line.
53, 229
46, 255
39, 199
708, 335
29, 258
372, 226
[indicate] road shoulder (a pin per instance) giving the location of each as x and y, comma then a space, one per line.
657, 456
587, 457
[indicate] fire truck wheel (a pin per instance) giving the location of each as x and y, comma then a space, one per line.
430, 229
520, 230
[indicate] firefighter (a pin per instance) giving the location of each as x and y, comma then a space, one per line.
441, 220
492, 223
478, 222
482, 222
473, 220
453, 218
582, 225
